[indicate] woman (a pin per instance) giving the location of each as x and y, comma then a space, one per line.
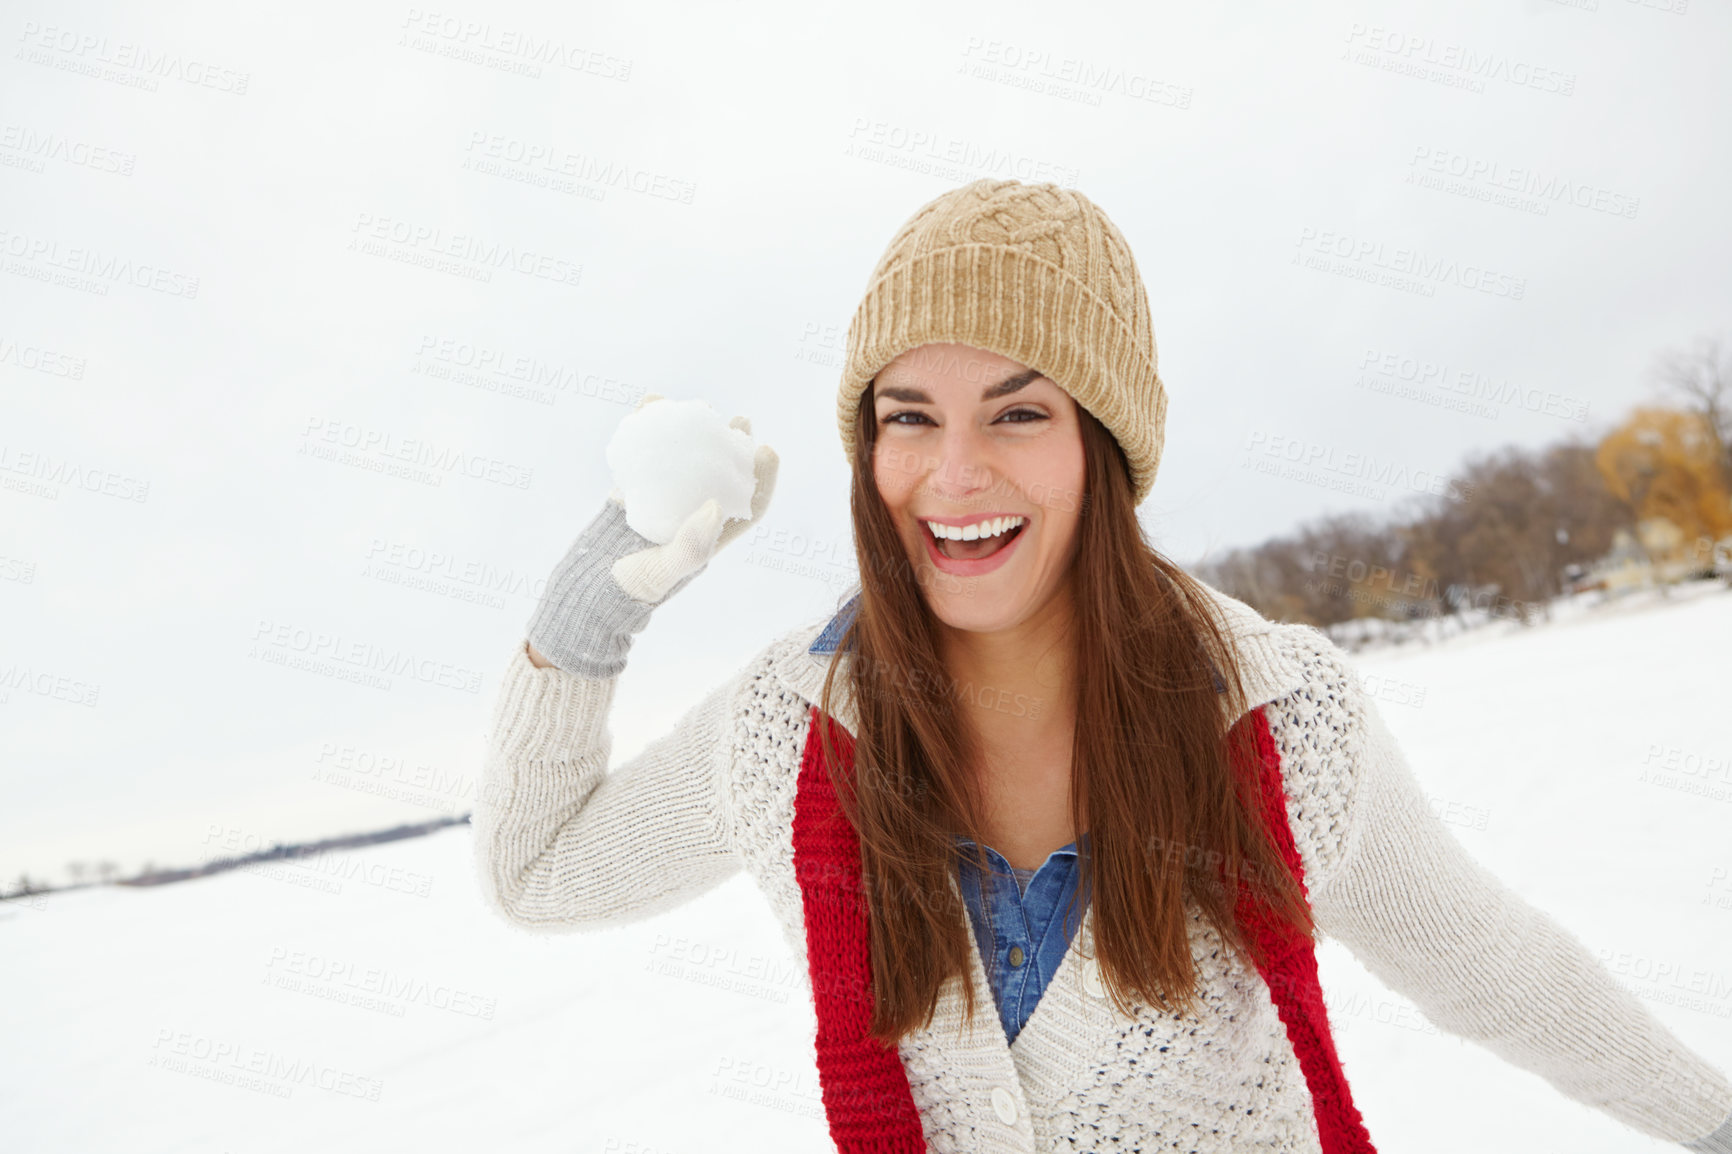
1039, 761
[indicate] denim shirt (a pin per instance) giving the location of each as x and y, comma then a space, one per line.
1029, 931
1018, 916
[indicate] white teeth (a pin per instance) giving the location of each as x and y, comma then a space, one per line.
977, 530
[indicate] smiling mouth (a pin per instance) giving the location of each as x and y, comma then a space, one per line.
975, 550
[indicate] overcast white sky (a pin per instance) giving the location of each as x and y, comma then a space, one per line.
217, 227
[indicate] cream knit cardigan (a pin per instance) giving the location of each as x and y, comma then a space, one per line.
563, 844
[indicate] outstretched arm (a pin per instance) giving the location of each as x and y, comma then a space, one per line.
1481, 962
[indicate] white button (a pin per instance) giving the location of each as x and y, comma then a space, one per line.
1092, 979
1004, 1105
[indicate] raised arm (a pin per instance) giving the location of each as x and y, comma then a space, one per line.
560, 842
1483, 963
564, 844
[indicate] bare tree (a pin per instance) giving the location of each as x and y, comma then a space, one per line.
1587, 514
1703, 376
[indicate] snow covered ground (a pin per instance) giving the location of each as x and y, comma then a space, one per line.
367, 1001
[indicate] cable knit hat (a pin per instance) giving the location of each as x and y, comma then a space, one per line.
1032, 272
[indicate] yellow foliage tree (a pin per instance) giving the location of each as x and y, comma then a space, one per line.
1666, 463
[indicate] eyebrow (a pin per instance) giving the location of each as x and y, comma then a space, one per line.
918, 396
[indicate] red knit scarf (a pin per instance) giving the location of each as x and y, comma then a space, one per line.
866, 1095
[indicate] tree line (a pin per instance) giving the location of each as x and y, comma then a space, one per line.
1518, 526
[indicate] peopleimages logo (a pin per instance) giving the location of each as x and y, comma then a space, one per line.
481, 39
554, 160
52, 471
40, 254
437, 249
284, 643
1283, 455
1493, 177
37, 359
58, 686
254, 1067
1069, 77
937, 153
39, 147
94, 55
1469, 384
386, 445
1375, 255
1423, 55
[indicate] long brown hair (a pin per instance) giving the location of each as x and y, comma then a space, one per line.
1157, 688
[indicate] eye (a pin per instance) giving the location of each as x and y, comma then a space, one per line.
891, 418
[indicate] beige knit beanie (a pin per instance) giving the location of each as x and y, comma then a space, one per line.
1033, 272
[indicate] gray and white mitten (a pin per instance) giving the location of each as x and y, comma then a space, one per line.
602, 591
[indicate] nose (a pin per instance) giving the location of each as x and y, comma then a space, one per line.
963, 467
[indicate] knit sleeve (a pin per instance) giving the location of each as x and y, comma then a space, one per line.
1432, 923
560, 842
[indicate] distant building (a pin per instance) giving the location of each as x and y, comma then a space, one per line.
1657, 553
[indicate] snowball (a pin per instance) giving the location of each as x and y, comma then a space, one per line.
669, 457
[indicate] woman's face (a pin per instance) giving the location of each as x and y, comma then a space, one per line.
965, 437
